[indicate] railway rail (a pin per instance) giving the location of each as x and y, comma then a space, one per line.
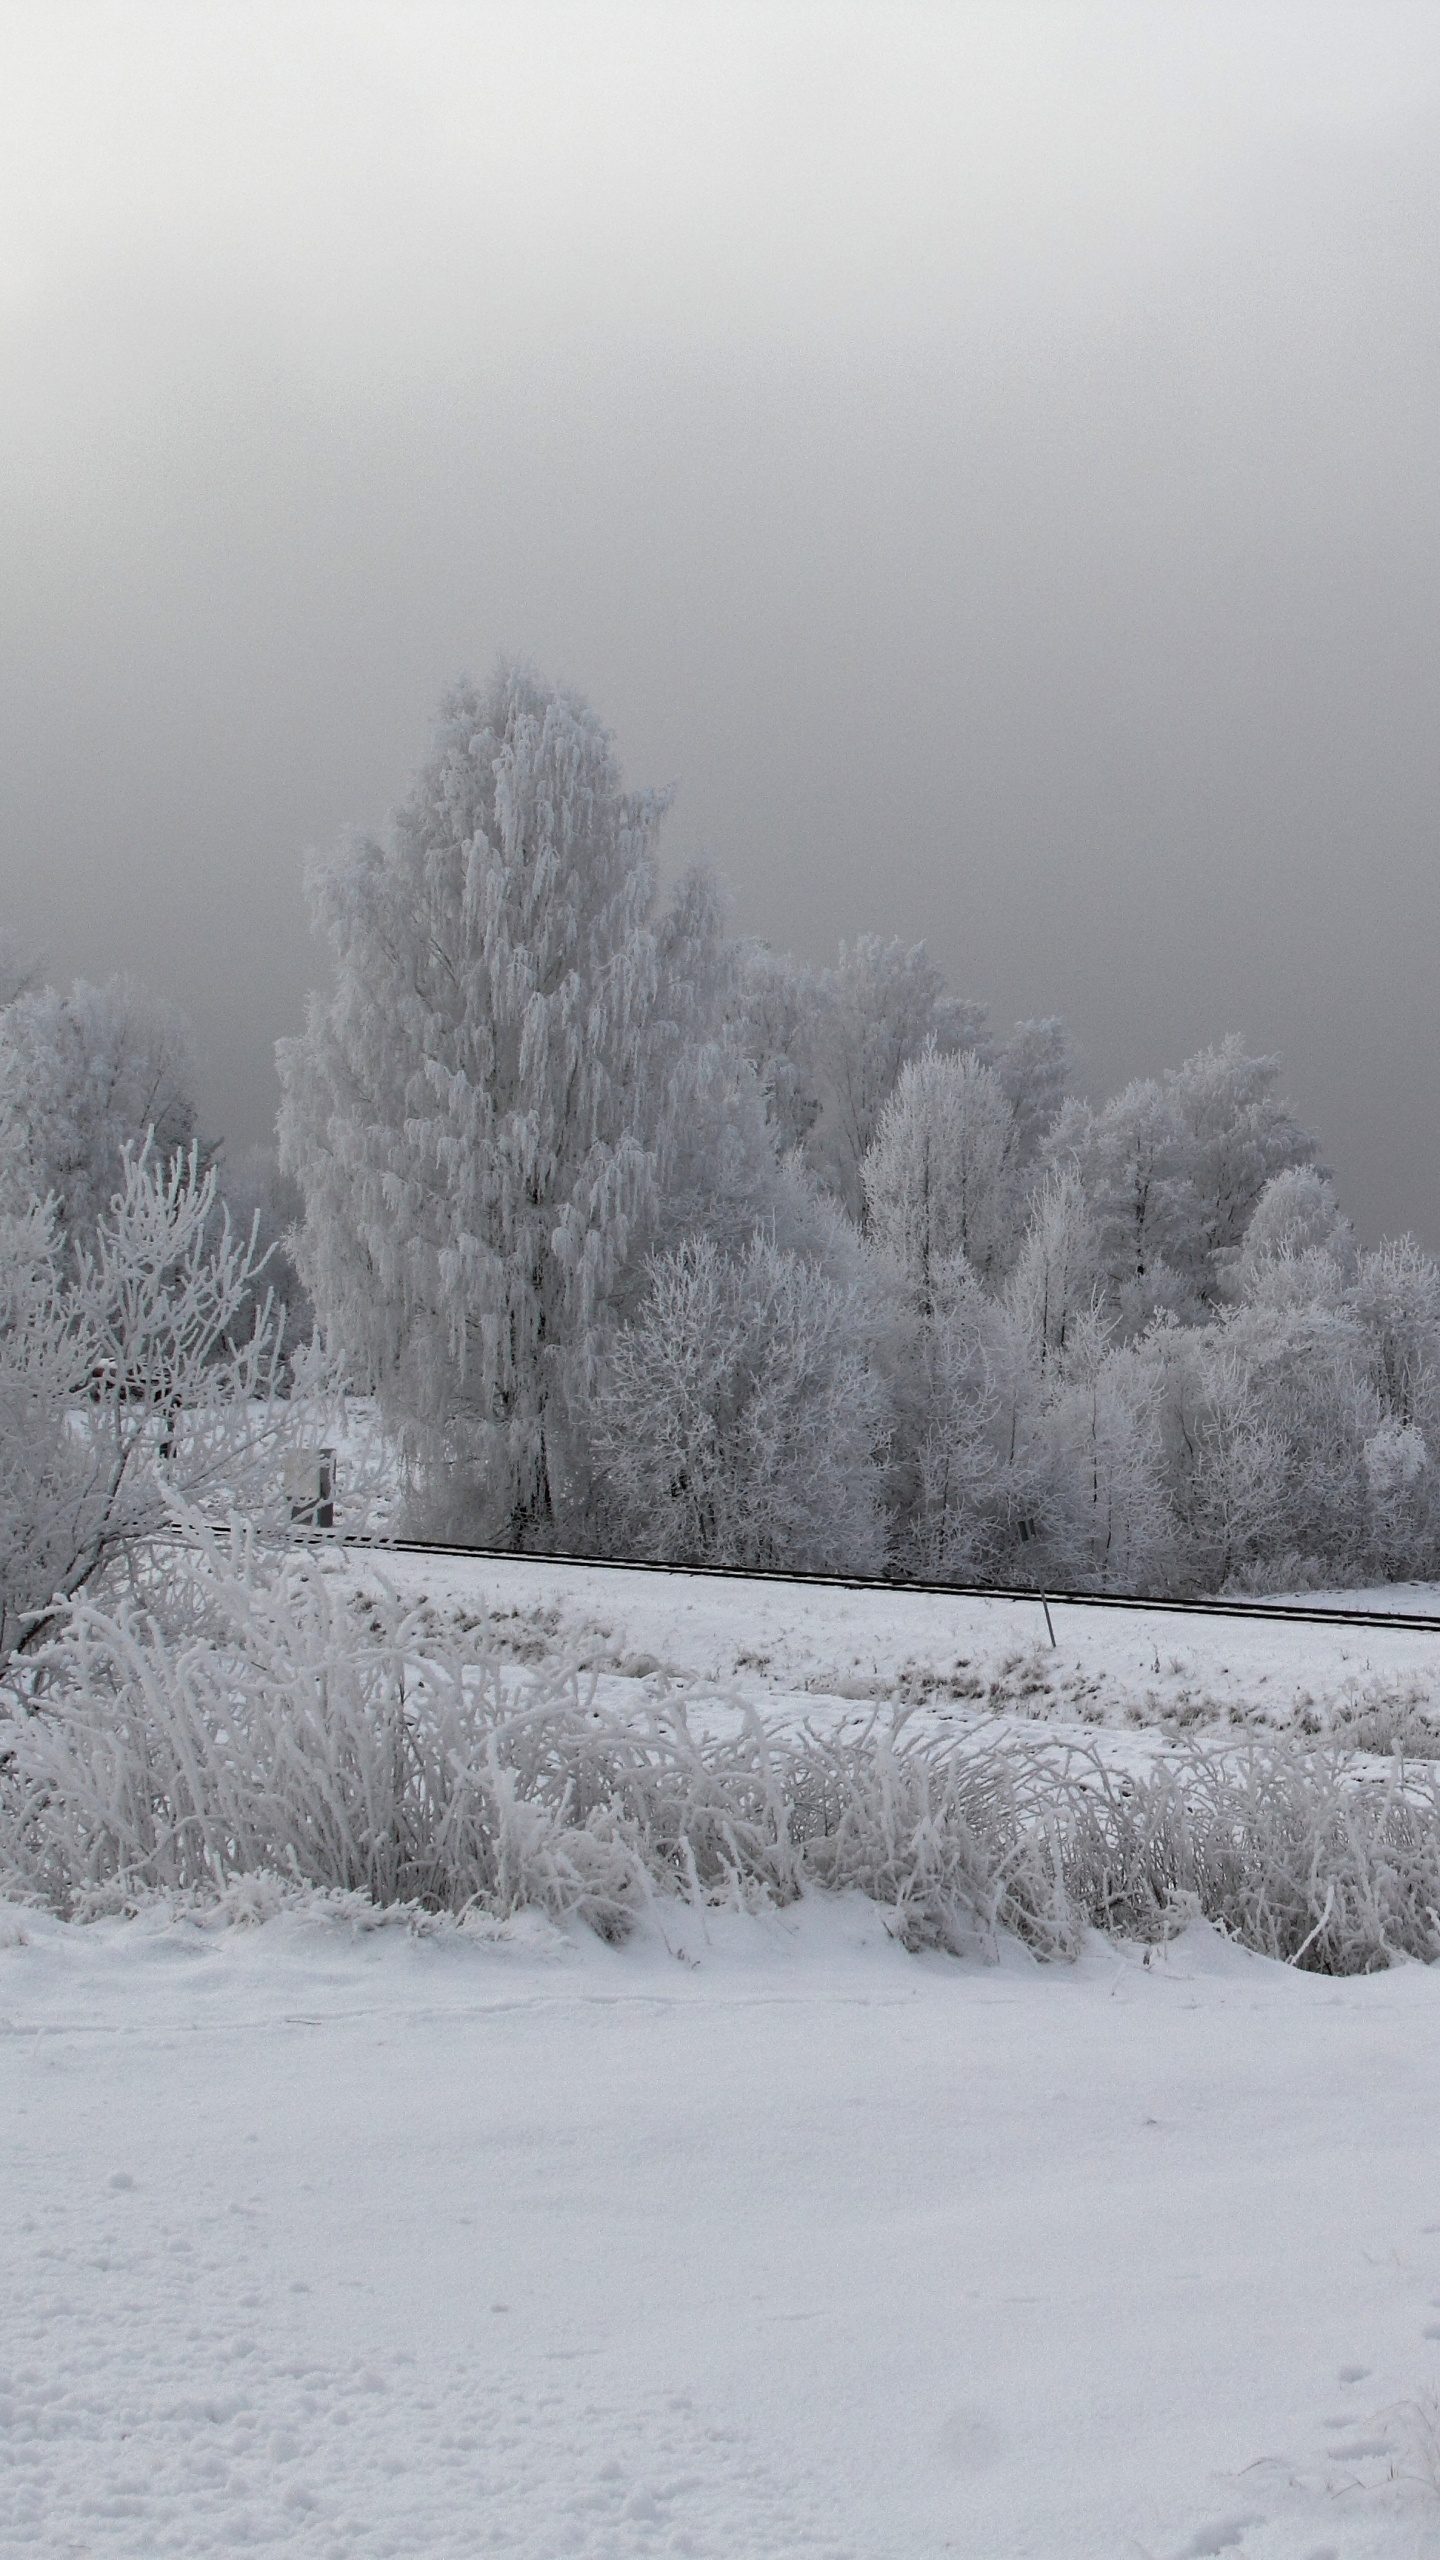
1283, 1612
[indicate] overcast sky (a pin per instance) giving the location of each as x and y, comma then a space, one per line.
989, 457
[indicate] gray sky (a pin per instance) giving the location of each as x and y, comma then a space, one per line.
989, 456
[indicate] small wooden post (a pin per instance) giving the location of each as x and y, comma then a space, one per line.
310, 1485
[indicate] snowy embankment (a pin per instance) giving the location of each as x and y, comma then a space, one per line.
753, 2236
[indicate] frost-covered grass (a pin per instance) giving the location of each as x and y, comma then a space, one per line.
269, 1719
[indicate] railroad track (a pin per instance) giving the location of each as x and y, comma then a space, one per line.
1281, 1612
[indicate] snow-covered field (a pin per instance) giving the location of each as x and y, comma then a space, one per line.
831, 1657
753, 2237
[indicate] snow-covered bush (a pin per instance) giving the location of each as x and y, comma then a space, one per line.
1288, 1850
122, 1388
260, 1716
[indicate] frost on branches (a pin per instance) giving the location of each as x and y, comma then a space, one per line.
741, 1423
480, 1115
122, 1388
83, 1077
652, 1242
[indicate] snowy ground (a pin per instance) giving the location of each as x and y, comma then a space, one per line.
832, 1657
755, 2237
753, 2240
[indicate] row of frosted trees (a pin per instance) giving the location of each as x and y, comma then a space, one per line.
648, 1241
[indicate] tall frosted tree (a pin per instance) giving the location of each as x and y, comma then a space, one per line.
480, 1113
1130, 1155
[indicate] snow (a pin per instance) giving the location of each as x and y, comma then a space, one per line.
755, 2238
805, 1653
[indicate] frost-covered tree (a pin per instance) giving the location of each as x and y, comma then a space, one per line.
1394, 1297
1394, 1303
952, 1472
829, 1048
1034, 1067
1235, 1133
1045, 1335
1173, 1169
1097, 1464
84, 1076
1299, 1247
882, 1005
480, 1115
741, 1422
938, 1176
1052, 1299
122, 1387
777, 1004
1129, 1157
1040, 1458
1266, 1415
1224, 1459
948, 1185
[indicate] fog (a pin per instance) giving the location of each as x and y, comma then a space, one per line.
985, 456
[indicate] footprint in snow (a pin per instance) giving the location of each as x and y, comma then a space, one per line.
971, 2440
1210, 2540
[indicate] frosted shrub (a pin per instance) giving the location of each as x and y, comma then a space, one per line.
276, 1723
137, 1370
273, 1722
1288, 1850
936, 1835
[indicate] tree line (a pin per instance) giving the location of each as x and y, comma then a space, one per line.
652, 1241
